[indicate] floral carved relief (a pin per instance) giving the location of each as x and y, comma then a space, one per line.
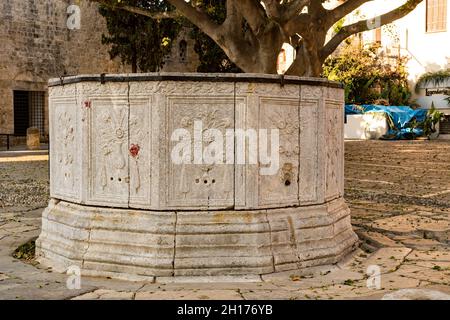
113, 135
201, 184
333, 151
282, 114
140, 151
65, 149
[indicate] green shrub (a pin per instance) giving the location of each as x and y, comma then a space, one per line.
367, 77
434, 78
25, 251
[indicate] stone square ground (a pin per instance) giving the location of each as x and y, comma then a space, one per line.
399, 194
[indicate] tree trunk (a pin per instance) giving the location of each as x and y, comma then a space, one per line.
260, 56
254, 31
306, 64
134, 64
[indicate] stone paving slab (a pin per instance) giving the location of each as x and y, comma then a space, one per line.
400, 210
388, 259
190, 295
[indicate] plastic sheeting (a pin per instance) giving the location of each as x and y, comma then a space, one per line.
400, 118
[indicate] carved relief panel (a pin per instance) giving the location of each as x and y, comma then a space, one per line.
281, 187
108, 152
311, 185
264, 108
65, 142
115, 144
140, 152
334, 166
204, 179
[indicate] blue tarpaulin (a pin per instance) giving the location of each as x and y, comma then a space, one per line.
400, 116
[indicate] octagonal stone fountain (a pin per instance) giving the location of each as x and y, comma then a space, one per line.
120, 207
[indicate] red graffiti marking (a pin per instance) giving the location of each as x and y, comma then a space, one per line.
134, 150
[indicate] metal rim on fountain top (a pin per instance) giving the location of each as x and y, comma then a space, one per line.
210, 77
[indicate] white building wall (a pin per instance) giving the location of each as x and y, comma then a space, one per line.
427, 51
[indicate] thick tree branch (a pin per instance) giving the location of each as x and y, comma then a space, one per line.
140, 11
285, 11
344, 9
305, 24
153, 15
197, 17
294, 8
253, 13
366, 25
297, 25
241, 41
273, 9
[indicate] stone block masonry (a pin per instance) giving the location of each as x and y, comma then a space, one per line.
37, 45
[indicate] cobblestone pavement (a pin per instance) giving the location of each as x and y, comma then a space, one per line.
399, 193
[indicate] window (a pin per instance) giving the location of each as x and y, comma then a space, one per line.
436, 15
28, 111
37, 101
281, 63
377, 35
183, 50
444, 125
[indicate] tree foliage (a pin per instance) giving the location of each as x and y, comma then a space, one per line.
368, 77
143, 41
252, 32
138, 40
436, 78
212, 57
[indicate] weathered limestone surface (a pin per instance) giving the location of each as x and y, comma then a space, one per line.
37, 45
33, 138
122, 208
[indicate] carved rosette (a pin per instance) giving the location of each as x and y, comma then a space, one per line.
65, 155
281, 114
65, 168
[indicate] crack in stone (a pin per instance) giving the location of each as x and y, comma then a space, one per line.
174, 244
88, 241
82, 294
133, 297
404, 259
271, 243
239, 291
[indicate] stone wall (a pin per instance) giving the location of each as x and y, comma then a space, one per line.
183, 57
37, 45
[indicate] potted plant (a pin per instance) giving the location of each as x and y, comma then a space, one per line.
431, 123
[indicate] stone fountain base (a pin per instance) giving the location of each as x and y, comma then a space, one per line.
132, 244
122, 208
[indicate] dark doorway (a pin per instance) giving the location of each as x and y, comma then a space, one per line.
28, 111
444, 125
183, 50
21, 113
